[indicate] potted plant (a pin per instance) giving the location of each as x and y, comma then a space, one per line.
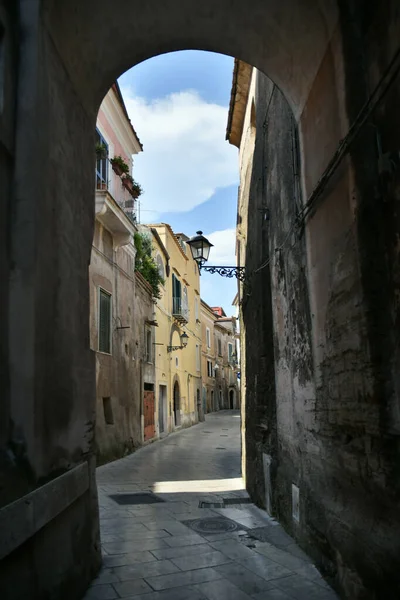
119, 166
137, 189
101, 151
133, 187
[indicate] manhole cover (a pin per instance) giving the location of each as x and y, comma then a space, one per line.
213, 525
138, 498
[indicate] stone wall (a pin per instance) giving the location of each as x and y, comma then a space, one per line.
322, 395
120, 376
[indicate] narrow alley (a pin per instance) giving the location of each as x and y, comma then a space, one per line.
165, 534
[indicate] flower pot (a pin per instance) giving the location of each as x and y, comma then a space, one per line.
127, 183
117, 169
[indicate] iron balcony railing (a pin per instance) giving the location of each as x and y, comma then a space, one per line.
180, 309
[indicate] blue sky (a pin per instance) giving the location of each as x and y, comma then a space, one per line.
178, 104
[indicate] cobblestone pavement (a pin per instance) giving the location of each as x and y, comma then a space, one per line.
185, 546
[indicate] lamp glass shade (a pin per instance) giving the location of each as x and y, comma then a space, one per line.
200, 247
184, 339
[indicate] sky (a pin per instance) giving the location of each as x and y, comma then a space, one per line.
178, 105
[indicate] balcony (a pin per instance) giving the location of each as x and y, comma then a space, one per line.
180, 311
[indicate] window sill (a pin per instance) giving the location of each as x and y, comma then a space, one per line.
105, 353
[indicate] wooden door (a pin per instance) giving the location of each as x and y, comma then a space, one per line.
148, 409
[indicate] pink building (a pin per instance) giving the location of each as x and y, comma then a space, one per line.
114, 131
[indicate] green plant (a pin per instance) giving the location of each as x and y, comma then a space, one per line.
145, 263
101, 151
133, 186
137, 189
120, 165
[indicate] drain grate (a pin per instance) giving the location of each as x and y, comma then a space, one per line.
220, 448
137, 498
212, 525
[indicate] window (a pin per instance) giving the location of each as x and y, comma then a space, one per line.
230, 352
197, 357
108, 411
219, 347
149, 345
101, 164
104, 322
210, 372
196, 308
208, 338
176, 296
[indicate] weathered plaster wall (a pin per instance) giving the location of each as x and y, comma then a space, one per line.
51, 367
322, 396
120, 375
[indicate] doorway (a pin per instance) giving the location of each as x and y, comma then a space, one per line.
231, 399
162, 408
148, 412
177, 408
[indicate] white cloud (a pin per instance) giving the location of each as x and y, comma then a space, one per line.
223, 252
185, 157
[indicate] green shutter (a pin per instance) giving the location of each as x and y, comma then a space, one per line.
104, 322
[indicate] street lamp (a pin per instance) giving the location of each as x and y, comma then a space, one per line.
200, 248
184, 342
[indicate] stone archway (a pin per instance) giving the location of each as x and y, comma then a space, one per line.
69, 55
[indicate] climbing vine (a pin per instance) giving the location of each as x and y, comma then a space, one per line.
145, 263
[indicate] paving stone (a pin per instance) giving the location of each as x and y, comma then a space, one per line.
265, 568
180, 579
222, 589
130, 588
199, 561
183, 540
118, 560
123, 547
157, 557
246, 580
303, 589
182, 551
280, 556
272, 594
233, 549
101, 592
143, 535
173, 527
181, 593
106, 575
143, 570
219, 537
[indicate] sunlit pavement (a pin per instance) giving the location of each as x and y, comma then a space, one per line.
173, 549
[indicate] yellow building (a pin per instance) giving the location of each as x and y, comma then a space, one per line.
178, 370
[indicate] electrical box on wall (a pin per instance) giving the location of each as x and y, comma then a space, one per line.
295, 503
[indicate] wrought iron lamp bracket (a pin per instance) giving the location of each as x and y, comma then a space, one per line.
230, 272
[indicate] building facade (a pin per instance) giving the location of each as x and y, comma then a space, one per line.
121, 303
178, 370
226, 361
219, 359
210, 392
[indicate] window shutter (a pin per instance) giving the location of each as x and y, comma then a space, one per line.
104, 322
